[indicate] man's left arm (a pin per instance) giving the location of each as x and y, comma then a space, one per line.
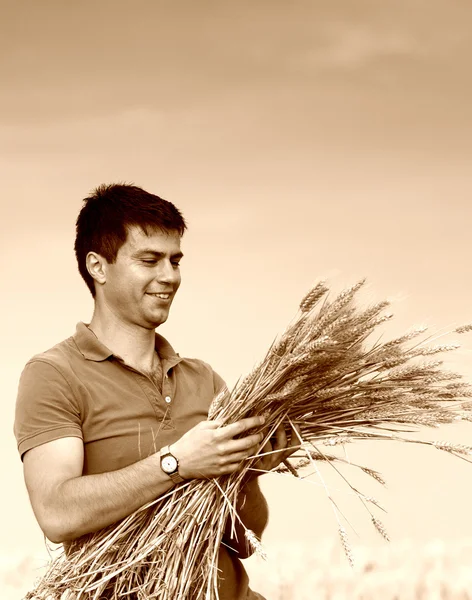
253, 511
252, 506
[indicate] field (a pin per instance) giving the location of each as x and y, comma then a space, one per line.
396, 571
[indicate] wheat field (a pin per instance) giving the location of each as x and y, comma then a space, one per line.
406, 570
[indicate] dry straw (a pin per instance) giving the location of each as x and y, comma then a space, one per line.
320, 376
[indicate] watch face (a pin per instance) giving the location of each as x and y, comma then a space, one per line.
169, 464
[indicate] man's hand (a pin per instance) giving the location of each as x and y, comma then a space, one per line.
210, 450
277, 449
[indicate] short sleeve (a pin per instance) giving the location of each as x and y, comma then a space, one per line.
219, 384
46, 408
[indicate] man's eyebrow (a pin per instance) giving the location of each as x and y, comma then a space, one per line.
157, 254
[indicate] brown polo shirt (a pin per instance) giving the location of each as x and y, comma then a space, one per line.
79, 388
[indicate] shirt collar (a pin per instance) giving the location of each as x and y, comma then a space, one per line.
89, 345
92, 348
168, 355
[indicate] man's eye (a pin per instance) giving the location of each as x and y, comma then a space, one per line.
149, 262
176, 264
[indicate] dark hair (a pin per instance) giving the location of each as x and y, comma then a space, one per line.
102, 224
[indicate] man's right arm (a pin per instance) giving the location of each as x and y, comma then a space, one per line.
68, 504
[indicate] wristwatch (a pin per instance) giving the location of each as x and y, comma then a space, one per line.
170, 465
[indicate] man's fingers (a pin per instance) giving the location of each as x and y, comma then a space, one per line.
288, 454
280, 440
246, 443
295, 435
237, 457
210, 424
236, 447
230, 431
293, 441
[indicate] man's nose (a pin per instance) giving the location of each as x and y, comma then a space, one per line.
168, 273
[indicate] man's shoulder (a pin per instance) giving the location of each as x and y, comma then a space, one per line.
197, 364
200, 368
60, 355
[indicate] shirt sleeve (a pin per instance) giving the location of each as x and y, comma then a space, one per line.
219, 384
46, 408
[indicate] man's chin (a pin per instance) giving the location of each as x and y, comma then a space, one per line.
156, 320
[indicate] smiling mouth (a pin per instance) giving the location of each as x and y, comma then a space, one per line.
160, 296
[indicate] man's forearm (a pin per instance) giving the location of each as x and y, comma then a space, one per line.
91, 502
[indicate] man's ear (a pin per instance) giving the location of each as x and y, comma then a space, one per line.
97, 267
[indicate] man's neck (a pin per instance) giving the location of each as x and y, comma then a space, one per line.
135, 345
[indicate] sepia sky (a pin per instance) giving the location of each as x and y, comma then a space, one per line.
301, 140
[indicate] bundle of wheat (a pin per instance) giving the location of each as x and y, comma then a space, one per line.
318, 377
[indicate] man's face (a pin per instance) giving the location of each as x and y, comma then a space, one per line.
142, 282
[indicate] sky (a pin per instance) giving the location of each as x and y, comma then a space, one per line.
302, 140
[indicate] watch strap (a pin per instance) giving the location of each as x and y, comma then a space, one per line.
165, 450
176, 478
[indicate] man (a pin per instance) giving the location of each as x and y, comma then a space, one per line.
112, 417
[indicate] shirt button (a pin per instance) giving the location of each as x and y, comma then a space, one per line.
168, 399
